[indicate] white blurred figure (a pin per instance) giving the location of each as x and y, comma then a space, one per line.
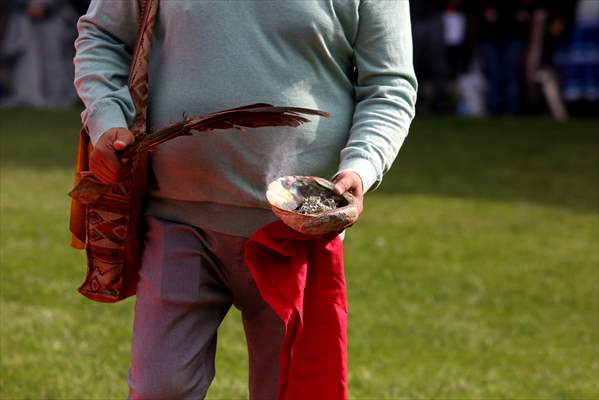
455, 28
472, 87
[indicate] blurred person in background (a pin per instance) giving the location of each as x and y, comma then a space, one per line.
37, 48
552, 21
430, 56
467, 84
4, 11
502, 30
578, 61
455, 22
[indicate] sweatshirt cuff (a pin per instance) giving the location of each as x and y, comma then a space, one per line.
364, 169
102, 117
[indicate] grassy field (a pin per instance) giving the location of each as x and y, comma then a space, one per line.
473, 273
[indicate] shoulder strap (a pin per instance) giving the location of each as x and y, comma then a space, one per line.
138, 72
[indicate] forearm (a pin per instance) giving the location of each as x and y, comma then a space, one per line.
385, 90
103, 55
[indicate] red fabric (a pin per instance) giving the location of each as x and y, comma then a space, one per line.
302, 279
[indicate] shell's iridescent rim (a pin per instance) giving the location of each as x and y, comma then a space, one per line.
321, 223
348, 197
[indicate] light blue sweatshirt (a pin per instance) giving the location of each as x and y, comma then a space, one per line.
352, 58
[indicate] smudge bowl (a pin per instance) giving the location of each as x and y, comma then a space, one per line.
308, 205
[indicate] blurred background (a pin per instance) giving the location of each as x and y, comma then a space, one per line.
474, 58
473, 272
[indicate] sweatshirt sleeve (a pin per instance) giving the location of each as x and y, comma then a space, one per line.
385, 90
106, 40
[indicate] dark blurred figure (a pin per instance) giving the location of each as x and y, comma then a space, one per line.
4, 12
551, 23
80, 6
502, 31
578, 61
38, 48
430, 57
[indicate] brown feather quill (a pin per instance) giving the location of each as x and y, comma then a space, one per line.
89, 188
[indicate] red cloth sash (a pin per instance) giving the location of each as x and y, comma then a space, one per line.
302, 278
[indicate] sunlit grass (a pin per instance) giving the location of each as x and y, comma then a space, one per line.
473, 273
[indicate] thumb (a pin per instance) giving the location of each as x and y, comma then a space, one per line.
342, 185
123, 138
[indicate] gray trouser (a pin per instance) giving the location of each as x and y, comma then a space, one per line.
188, 281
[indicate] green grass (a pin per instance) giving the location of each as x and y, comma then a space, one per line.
473, 273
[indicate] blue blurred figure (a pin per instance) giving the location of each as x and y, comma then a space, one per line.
502, 29
578, 60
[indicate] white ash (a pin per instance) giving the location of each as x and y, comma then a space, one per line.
316, 204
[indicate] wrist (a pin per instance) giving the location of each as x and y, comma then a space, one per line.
364, 169
102, 118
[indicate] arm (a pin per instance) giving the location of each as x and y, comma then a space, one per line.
103, 54
385, 94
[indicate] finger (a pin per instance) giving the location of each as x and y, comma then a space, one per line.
342, 186
109, 176
356, 193
96, 167
110, 163
102, 176
104, 169
358, 190
105, 154
108, 155
123, 139
119, 145
100, 172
